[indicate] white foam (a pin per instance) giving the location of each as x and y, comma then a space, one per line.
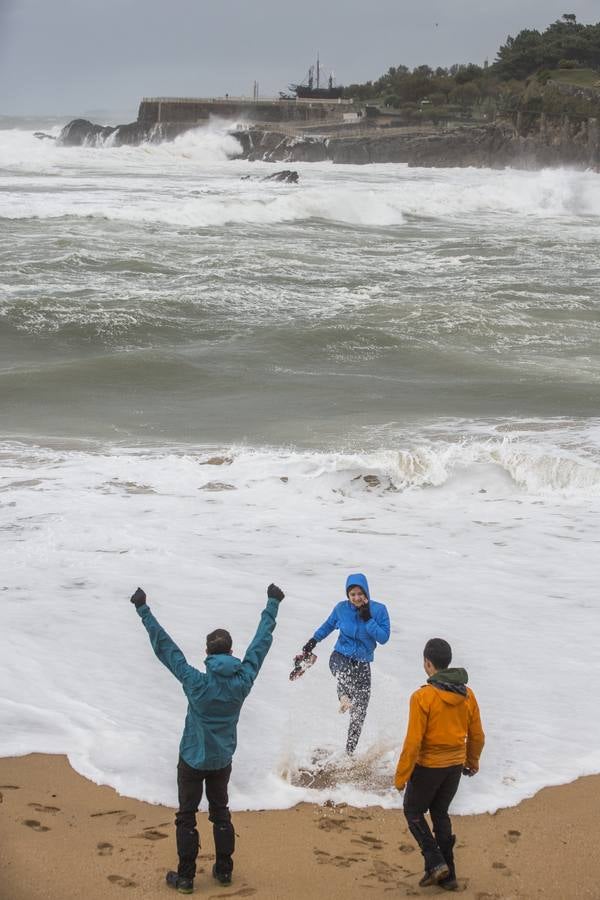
481, 540
197, 189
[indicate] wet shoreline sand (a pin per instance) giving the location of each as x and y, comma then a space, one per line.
63, 837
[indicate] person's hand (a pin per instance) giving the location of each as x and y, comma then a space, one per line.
400, 788
139, 598
275, 593
309, 646
469, 771
364, 611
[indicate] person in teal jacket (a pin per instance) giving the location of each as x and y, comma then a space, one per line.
209, 739
362, 624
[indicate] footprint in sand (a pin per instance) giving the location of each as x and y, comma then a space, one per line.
39, 807
243, 892
372, 842
108, 812
333, 825
126, 819
513, 836
35, 825
500, 865
122, 882
104, 848
383, 872
151, 834
9, 787
406, 848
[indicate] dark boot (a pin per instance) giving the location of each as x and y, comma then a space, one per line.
447, 847
437, 875
224, 846
220, 875
183, 885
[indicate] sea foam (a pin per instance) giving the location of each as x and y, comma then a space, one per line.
481, 541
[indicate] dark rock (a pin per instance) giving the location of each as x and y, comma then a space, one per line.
79, 132
289, 176
42, 136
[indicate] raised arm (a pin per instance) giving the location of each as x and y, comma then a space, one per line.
262, 640
164, 646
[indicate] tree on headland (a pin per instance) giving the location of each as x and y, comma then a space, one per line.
471, 89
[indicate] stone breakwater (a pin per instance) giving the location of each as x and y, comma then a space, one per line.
490, 146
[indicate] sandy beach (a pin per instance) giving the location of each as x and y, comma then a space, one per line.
64, 838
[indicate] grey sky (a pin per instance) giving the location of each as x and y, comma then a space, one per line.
72, 56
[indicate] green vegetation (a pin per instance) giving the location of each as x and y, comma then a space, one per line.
527, 75
581, 77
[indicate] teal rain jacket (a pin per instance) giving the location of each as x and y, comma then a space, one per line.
357, 639
215, 698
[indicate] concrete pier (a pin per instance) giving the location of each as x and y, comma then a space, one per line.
192, 111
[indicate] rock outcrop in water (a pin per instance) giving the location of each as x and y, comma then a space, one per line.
81, 132
288, 176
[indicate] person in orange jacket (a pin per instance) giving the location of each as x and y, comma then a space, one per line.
444, 739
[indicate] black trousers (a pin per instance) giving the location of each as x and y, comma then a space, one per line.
432, 790
353, 681
190, 785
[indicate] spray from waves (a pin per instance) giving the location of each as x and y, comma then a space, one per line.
536, 469
543, 469
164, 178
549, 193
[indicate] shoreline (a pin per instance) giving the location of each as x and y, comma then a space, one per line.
63, 837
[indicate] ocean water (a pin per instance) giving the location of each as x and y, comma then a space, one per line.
209, 382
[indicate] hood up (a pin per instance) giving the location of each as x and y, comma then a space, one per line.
358, 580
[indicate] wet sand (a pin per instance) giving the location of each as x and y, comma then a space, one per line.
65, 838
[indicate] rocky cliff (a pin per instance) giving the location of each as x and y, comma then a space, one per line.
505, 144
529, 143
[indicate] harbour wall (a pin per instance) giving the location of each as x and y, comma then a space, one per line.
192, 111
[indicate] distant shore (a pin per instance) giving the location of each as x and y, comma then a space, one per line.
63, 838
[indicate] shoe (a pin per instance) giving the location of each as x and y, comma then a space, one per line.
345, 704
435, 876
181, 884
221, 877
449, 884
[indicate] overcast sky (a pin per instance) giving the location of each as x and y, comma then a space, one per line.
75, 56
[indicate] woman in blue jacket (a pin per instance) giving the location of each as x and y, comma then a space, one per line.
362, 624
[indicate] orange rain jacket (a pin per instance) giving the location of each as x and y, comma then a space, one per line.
444, 729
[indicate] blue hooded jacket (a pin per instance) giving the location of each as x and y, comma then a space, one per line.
215, 698
357, 639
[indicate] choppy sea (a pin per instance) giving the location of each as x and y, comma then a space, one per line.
210, 382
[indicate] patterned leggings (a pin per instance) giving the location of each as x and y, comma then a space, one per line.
353, 681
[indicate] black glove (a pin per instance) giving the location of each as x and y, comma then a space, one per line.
309, 646
275, 593
365, 612
139, 598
